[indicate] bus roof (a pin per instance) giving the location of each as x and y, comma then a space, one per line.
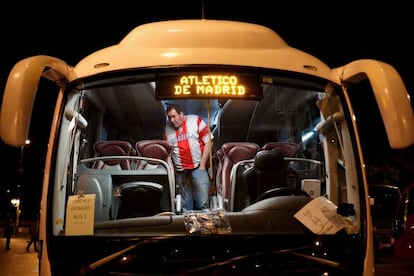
205, 42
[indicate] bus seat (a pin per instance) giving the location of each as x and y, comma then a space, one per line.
218, 166
269, 172
233, 152
139, 199
156, 148
285, 148
114, 148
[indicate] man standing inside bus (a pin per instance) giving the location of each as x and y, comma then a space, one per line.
192, 142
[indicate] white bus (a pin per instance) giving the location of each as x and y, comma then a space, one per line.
289, 191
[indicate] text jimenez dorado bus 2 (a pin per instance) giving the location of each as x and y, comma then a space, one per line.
289, 191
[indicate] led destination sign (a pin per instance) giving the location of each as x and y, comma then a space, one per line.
208, 85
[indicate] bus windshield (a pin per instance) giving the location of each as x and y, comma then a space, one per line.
114, 176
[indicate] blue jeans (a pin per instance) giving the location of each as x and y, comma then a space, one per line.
194, 188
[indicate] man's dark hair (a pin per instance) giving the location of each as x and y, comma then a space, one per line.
177, 108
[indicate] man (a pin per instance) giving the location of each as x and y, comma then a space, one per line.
192, 142
34, 236
8, 232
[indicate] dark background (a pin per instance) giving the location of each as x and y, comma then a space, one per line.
335, 32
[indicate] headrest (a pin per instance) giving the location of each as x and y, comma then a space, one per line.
113, 148
269, 160
104, 148
160, 149
237, 151
285, 148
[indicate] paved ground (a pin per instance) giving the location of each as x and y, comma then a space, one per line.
388, 265
16, 261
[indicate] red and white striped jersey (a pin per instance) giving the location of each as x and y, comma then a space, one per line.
188, 142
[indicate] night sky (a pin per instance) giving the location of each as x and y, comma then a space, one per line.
335, 34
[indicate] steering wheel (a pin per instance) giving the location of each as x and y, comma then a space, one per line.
281, 191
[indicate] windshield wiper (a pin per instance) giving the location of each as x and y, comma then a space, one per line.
90, 267
242, 257
293, 251
319, 260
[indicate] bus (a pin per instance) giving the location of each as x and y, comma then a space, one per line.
289, 191
403, 225
384, 200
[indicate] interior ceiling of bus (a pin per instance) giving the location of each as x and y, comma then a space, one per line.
134, 108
